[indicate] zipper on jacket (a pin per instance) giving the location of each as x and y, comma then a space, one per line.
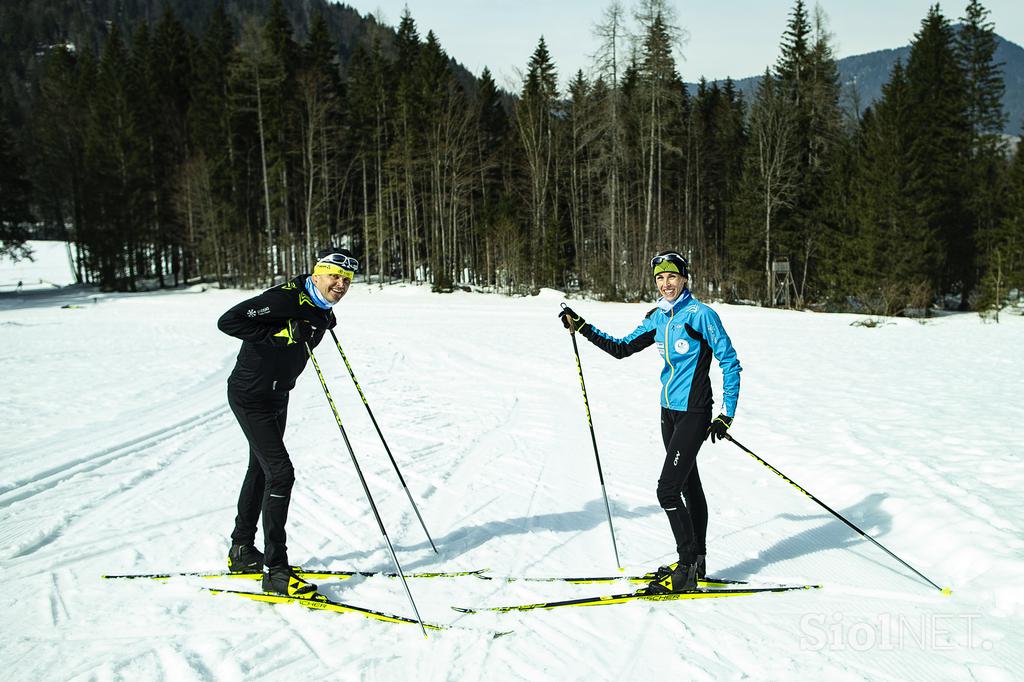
671, 367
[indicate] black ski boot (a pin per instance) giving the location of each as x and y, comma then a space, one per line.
683, 578
245, 559
702, 568
283, 580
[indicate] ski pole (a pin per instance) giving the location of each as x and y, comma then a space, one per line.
944, 590
386, 448
593, 438
366, 488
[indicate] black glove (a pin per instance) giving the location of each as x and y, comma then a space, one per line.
297, 331
718, 427
569, 317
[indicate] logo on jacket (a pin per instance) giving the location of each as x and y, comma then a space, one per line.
682, 346
251, 312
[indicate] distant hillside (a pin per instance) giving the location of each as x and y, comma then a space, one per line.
864, 75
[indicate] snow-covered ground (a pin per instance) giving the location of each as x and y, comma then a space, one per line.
49, 268
120, 455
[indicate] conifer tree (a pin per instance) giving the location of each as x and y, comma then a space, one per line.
577, 139
808, 82
432, 86
407, 148
714, 153
976, 46
115, 163
887, 261
940, 146
534, 119
369, 119
492, 160
1004, 258
319, 92
207, 190
167, 67
976, 49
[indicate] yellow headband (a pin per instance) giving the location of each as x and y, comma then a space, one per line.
666, 266
332, 269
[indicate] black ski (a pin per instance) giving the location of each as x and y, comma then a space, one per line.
640, 579
641, 595
309, 574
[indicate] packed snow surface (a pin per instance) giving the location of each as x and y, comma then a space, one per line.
120, 455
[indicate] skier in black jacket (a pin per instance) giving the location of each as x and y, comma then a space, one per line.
274, 328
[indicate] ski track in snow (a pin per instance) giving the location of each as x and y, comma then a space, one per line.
128, 460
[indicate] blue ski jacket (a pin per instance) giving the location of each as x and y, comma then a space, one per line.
687, 333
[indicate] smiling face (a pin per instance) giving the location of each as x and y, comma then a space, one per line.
332, 287
670, 284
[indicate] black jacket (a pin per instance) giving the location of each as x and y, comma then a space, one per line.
268, 363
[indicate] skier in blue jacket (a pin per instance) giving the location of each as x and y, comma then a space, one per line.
687, 333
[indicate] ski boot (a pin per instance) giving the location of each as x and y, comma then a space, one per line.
245, 559
702, 568
683, 578
284, 581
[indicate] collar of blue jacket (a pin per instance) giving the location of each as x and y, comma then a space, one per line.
667, 306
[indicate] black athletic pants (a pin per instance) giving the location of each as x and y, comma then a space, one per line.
683, 434
267, 486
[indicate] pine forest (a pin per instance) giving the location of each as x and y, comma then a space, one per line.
230, 152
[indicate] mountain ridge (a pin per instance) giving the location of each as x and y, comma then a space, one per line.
862, 76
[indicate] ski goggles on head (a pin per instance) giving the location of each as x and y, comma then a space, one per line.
336, 264
670, 262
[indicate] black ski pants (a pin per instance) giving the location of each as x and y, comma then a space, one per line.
267, 486
683, 434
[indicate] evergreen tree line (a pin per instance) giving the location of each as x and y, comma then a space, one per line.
233, 155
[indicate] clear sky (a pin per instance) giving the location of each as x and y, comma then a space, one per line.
735, 38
